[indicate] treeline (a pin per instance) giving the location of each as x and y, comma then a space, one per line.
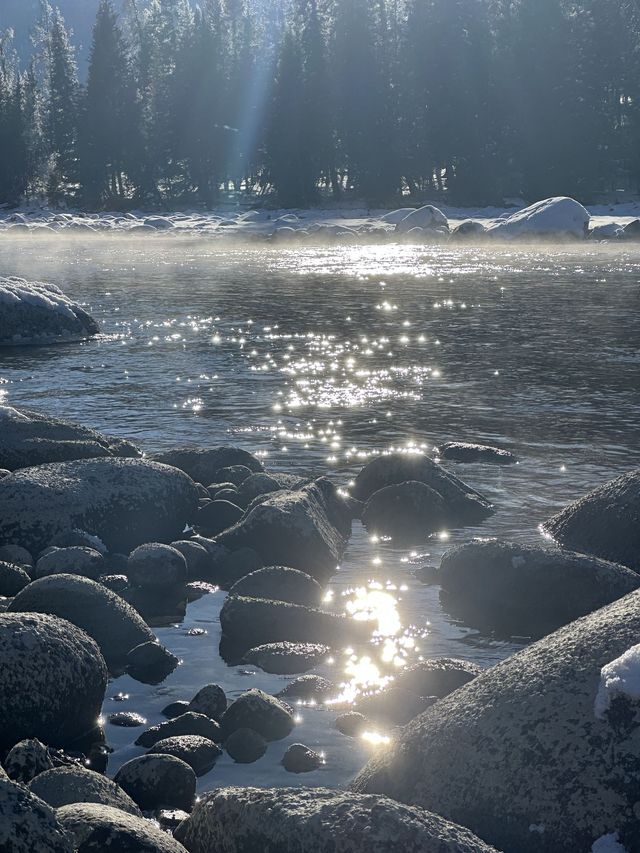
468, 101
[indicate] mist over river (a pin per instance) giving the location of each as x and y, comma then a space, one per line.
316, 358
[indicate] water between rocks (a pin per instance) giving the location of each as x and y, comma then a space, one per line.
315, 358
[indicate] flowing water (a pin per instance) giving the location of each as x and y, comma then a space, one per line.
317, 358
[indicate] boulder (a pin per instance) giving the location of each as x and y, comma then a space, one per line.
235, 565
210, 700
462, 504
234, 474
26, 760
309, 688
97, 828
437, 676
256, 485
527, 590
30, 438
154, 566
75, 538
53, 680
217, 516
125, 502
410, 509
37, 314
27, 824
199, 562
158, 782
317, 820
286, 658
12, 579
113, 624
63, 785
469, 228
259, 711
301, 759
604, 522
71, 561
203, 465
151, 662
279, 583
352, 723
245, 746
522, 745
306, 529
127, 720
188, 723
461, 451
552, 217
427, 217
17, 556
200, 753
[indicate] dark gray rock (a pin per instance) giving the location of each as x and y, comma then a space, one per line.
76, 538
154, 566
527, 590
27, 824
151, 662
53, 680
17, 556
463, 504
30, 438
235, 474
286, 658
12, 579
250, 622
125, 502
280, 584
216, 516
176, 709
306, 529
82, 561
288, 820
96, 828
35, 313
245, 746
229, 495
437, 677
256, 485
406, 509
631, 230
188, 723
113, 624
116, 583
210, 700
26, 760
301, 759
235, 565
604, 522
469, 228
203, 466
352, 724
200, 753
522, 744
199, 562
63, 785
461, 451
309, 688
158, 782
259, 711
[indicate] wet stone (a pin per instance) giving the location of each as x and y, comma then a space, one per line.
257, 710
188, 723
280, 583
459, 451
245, 746
158, 782
199, 753
151, 663
301, 759
352, 723
175, 709
287, 658
308, 688
127, 719
210, 700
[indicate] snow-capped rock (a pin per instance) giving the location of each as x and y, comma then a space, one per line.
427, 217
552, 217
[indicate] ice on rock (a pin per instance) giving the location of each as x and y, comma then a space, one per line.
559, 216
620, 677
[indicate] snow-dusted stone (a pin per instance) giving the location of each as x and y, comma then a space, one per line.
35, 313
604, 522
217, 516
203, 465
245, 746
619, 684
427, 217
308, 687
209, 700
552, 217
153, 566
406, 509
200, 753
520, 745
106, 617
188, 723
31, 438
286, 658
527, 590
53, 680
461, 451
301, 759
250, 622
96, 828
306, 529
259, 711
71, 561
27, 824
158, 782
280, 583
63, 785
462, 504
125, 502
26, 760
395, 216
12, 579
318, 820
437, 677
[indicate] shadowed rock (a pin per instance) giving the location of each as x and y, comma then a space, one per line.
27, 824
63, 785
200, 753
203, 465
158, 782
245, 746
259, 711
96, 828
280, 584
460, 451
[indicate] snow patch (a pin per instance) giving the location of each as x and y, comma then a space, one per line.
608, 844
620, 677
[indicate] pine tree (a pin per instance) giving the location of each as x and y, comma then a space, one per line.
62, 111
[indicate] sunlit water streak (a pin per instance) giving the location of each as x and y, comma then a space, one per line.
319, 358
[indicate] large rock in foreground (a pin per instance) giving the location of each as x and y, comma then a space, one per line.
522, 746
125, 502
605, 522
290, 820
305, 529
525, 590
27, 824
552, 217
34, 313
96, 829
53, 680
29, 438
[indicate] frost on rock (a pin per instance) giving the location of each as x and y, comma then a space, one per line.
551, 217
424, 217
608, 844
33, 313
620, 677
